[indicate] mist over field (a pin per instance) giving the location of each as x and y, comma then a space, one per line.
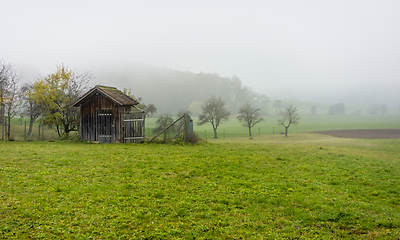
327, 52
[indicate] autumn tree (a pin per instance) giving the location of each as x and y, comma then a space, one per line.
289, 117
249, 116
55, 93
214, 112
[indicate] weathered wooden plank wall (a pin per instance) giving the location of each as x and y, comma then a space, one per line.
99, 120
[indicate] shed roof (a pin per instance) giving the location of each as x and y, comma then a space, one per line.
112, 93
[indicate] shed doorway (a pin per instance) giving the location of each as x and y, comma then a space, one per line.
105, 126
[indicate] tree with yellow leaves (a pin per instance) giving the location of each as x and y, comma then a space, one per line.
55, 93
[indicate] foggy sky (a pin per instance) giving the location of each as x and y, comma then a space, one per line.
312, 50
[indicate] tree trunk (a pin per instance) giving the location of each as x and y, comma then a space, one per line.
9, 128
250, 131
30, 126
286, 131
215, 133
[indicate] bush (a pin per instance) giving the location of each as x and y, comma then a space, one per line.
192, 138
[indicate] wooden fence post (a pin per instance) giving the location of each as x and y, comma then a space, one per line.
42, 130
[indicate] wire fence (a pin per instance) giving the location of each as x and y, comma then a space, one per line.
223, 133
19, 131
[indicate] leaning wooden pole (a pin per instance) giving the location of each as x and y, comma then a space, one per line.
165, 129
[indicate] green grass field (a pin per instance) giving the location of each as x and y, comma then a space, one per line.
305, 186
307, 123
233, 128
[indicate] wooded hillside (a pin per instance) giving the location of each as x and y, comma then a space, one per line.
173, 90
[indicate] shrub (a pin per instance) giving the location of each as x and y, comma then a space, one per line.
192, 137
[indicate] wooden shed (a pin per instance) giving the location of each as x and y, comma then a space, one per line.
107, 116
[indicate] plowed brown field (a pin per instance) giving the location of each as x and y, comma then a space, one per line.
364, 133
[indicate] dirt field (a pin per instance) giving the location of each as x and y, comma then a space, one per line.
364, 133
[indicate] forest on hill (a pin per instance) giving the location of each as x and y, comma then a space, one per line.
172, 91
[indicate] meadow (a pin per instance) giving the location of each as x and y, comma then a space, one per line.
307, 123
233, 128
305, 186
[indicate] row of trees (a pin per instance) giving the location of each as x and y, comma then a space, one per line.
340, 109
9, 95
215, 112
49, 98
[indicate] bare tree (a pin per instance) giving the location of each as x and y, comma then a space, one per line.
313, 110
163, 122
151, 110
30, 108
214, 112
289, 116
11, 101
5, 70
9, 77
249, 116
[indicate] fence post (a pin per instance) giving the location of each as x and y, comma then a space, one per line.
25, 132
273, 130
259, 132
42, 130
205, 134
224, 133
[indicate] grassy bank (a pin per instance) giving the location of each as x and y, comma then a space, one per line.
261, 190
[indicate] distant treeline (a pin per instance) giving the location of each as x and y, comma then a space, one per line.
172, 90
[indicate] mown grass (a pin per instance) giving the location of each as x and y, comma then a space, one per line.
307, 123
265, 190
234, 129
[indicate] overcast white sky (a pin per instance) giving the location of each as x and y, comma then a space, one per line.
308, 49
